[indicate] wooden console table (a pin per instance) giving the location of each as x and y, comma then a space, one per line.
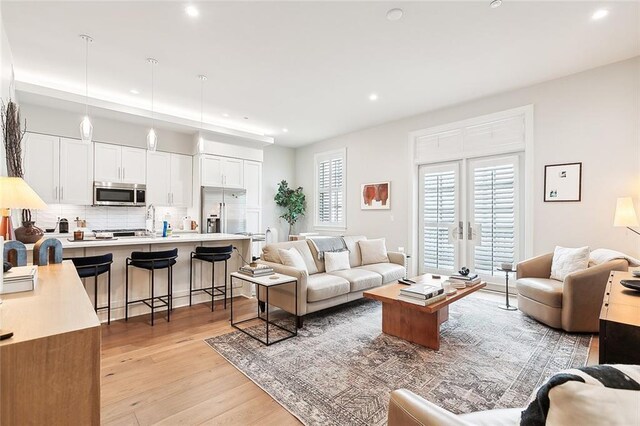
619, 322
50, 368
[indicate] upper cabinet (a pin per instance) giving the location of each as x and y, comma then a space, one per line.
222, 171
60, 170
119, 164
169, 179
253, 183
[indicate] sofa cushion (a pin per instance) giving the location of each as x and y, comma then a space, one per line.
359, 279
270, 253
292, 257
389, 271
500, 417
568, 260
543, 290
354, 249
325, 286
373, 251
336, 261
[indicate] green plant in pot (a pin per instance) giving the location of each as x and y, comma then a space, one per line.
293, 201
12, 135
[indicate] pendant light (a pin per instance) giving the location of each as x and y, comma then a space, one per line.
152, 138
202, 78
86, 128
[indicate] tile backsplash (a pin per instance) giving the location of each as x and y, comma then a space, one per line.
100, 217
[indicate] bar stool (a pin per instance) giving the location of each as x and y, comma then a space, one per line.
212, 255
93, 266
152, 261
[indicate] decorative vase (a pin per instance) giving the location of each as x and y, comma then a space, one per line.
28, 233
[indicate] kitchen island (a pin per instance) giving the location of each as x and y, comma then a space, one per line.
140, 281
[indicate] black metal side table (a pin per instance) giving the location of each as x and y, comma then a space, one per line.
267, 283
507, 306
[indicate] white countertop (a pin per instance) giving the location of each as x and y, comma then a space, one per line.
134, 241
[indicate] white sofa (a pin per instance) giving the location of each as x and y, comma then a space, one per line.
318, 289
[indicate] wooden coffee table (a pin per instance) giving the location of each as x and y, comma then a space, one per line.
417, 324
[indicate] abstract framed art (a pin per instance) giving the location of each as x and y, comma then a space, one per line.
375, 196
563, 182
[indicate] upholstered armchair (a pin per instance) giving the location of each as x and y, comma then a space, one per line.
573, 305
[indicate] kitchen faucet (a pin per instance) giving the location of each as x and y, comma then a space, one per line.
151, 228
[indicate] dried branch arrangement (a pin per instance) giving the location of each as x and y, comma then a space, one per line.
12, 136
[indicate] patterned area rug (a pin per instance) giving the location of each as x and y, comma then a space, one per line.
341, 369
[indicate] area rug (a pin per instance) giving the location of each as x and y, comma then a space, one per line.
341, 368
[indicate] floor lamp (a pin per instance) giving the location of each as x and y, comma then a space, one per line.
15, 193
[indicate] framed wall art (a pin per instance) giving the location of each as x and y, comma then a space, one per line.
375, 196
563, 182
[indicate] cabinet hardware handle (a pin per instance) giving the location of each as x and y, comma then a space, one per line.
62, 193
124, 173
56, 193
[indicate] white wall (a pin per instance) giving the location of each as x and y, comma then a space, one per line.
279, 164
592, 117
6, 81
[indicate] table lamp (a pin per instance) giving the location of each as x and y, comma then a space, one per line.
15, 193
626, 214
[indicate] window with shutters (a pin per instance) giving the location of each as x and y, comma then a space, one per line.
330, 189
439, 215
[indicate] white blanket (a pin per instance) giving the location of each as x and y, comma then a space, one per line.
599, 256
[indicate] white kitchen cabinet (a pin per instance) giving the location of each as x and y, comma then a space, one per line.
233, 173
119, 164
211, 170
76, 172
133, 165
169, 179
253, 183
181, 180
60, 170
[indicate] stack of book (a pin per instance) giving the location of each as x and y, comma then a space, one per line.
256, 271
20, 278
422, 294
462, 281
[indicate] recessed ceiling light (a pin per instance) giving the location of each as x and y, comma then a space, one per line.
224, 114
495, 4
285, 130
373, 97
192, 11
134, 92
599, 14
394, 14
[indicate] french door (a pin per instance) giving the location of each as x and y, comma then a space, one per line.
470, 215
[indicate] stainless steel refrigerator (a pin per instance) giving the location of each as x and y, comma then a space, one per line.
223, 210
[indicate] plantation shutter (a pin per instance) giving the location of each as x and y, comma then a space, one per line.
439, 214
495, 210
330, 189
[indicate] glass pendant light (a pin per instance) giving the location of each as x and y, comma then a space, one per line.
152, 138
86, 128
202, 78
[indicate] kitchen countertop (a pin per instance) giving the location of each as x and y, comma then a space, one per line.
133, 241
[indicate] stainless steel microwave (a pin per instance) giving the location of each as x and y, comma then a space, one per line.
118, 194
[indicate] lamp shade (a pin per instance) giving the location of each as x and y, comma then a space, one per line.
15, 193
625, 213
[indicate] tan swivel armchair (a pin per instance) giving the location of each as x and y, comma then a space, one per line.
573, 305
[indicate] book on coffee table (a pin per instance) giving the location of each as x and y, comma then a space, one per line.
423, 302
422, 291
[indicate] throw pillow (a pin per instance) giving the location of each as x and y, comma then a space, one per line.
336, 260
568, 260
373, 251
293, 258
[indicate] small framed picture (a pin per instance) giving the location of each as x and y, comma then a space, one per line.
563, 182
375, 196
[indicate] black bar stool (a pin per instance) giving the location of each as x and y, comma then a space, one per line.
93, 266
151, 261
212, 255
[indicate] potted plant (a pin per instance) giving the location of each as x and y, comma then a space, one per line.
293, 201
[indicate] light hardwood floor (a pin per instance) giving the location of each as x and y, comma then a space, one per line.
167, 374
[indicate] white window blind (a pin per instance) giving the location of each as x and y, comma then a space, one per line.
495, 210
439, 213
330, 182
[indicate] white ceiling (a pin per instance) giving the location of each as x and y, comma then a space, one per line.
310, 66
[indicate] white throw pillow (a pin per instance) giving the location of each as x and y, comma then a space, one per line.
373, 251
336, 260
293, 258
568, 260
